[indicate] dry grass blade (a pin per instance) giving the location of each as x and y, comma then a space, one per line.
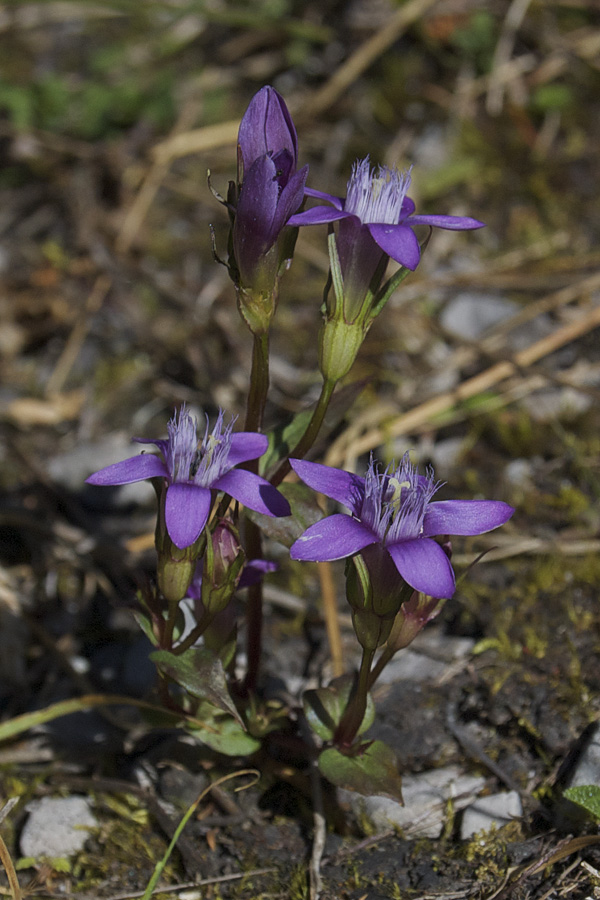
75, 340
489, 378
514, 18
364, 57
155, 176
5, 858
211, 137
555, 854
331, 618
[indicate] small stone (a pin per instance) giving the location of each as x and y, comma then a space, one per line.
587, 766
470, 314
56, 827
425, 798
497, 809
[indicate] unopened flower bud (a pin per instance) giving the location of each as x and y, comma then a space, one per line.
223, 563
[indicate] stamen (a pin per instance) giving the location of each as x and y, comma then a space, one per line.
376, 196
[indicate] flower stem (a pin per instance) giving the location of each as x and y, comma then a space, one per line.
254, 610
311, 433
257, 399
259, 382
355, 711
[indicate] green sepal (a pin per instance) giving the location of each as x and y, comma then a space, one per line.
372, 770
324, 707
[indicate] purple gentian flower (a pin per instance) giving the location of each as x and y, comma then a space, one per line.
376, 206
271, 189
394, 509
192, 469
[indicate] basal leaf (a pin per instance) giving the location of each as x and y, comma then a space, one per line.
324, 707
587, 796
201, 673
222, 733
373, 771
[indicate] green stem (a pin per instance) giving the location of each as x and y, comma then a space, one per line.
355, 711
193, 636
259, 382
380, 665
311, 433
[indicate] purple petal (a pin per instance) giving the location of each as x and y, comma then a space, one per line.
342, 486
137, 468
408, 208
465, 516
266, 127
254, 216
453, 223
424, 566
161, 444
254, 492
186, 510
334, 537
318, 215
399, 242
254, 570
330, 198
289, 201
246, 445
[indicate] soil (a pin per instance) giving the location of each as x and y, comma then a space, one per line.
114, 311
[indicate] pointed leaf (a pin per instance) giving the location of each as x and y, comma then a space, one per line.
587, 796
325, 707
222, 733
146, 625
200, 672
282, 441
373, 771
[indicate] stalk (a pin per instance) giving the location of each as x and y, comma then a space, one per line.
355, 711
311, 433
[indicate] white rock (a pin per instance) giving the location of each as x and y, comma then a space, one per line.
587, 766
425, 799
470, 314
497, 809
56, 827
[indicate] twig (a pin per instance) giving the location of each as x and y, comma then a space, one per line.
319, 822
203, 882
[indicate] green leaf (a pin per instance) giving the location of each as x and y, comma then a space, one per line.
305, 511
372, 771
146, 625
325, 707
222, 733
283, 439
587, 796
201, 673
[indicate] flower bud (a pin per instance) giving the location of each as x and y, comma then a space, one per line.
222, 569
